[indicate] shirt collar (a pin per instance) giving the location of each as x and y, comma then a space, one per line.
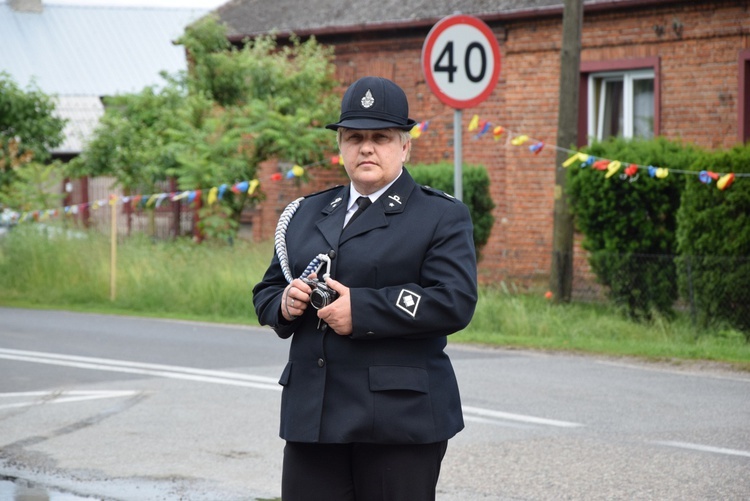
354, 194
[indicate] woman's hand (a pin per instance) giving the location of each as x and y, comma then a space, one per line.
295, 299
338, 314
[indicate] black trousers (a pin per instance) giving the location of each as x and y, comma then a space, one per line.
361, 472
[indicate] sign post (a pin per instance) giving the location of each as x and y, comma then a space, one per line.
461, 64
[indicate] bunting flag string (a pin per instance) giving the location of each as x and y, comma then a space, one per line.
479, 127
629, 171
214, 195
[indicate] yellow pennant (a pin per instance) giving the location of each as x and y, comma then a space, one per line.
577, 157
474, 124
612, 168
725, 181
213, 195
519, 140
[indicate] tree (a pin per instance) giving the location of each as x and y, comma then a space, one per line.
268, 102
28, 130
234, 109
131, 141
35, 186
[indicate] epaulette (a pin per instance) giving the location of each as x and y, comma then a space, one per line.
433, 191
337, 187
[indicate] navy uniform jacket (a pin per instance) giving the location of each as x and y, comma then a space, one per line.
410, 264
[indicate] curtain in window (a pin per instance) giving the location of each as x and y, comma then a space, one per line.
613, 109
643, 108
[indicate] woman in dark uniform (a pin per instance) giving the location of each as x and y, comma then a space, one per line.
370, 398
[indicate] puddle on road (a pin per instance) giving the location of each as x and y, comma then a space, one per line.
15, 489
20, 490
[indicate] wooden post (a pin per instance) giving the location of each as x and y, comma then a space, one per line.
175, 209
561, 272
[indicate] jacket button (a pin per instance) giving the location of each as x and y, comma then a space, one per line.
321, 362
370, 333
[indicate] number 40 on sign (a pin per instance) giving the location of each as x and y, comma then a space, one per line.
461, 61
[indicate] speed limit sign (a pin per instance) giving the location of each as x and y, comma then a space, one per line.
461, 61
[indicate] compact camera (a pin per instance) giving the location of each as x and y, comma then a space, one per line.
321, 295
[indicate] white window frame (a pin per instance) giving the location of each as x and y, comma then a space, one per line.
596, 110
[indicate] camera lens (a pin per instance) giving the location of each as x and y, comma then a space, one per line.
319, 299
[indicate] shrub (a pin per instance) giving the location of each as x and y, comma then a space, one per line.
626, 219
713, 238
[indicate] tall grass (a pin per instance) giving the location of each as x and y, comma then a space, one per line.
174, 279
49, 268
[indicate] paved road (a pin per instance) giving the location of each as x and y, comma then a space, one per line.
141, 409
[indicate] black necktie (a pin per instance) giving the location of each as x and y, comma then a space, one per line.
362, 203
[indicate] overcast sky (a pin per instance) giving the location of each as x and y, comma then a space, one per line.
201, 4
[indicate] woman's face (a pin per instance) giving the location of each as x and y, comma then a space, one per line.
373, 158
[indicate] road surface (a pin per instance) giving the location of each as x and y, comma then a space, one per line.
123, 408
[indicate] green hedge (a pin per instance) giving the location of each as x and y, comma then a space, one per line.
476, 193
653, 239
629, 221
713, 239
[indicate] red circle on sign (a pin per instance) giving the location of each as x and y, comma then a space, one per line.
458, 101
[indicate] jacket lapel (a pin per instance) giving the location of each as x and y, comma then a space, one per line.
391, 202
333, 218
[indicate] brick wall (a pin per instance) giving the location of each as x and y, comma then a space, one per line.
697, 46
278, 194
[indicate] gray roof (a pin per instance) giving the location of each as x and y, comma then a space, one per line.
79, 54
77, 50
253, 17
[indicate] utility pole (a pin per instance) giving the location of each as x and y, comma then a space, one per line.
561, 272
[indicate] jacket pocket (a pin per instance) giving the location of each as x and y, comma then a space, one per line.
402, 408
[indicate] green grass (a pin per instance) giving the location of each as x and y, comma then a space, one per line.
209, 282
526, 321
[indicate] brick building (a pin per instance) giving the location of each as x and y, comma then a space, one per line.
680, 69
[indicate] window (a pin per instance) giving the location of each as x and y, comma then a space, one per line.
619, 98
621, 104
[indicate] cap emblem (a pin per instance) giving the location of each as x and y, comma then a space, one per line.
368, 100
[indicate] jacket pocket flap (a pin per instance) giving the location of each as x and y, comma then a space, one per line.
284, 379
391, 377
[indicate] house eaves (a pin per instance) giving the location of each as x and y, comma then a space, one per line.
324, 18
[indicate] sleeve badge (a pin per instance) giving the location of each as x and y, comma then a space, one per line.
408, 301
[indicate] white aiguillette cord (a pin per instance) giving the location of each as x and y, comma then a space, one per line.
279, 239
279, 242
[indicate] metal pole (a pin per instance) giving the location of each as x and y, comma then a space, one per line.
458, 186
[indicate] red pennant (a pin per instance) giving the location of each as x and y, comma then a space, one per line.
600, 165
